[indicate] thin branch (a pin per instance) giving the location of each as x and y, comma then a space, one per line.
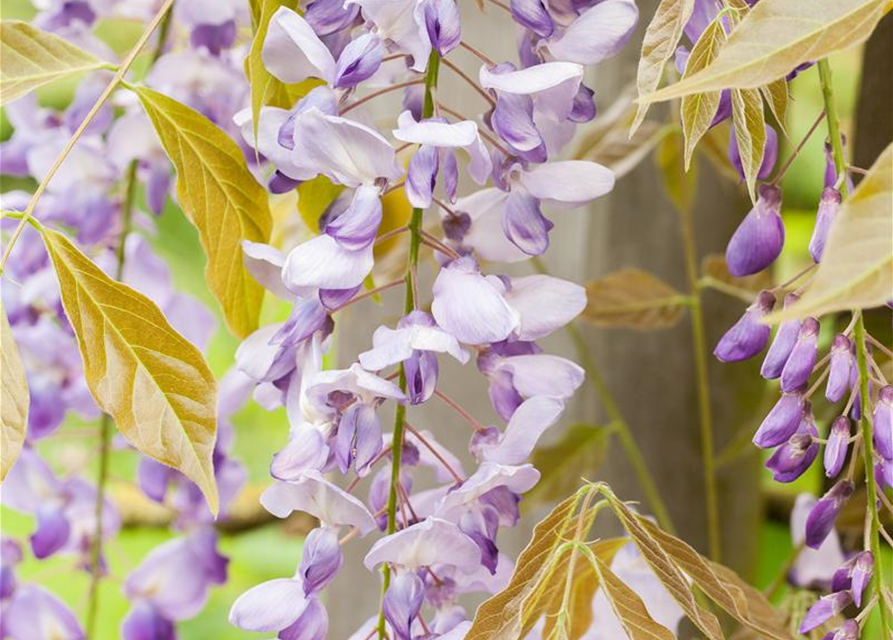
430, 447
381, 92
470, 81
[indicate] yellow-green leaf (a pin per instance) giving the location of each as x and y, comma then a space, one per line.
628, 606
580, 451
153, 382
750, 133
698, 110
680, 181
634, 299
32, 58
665, 568
775, 37
856, 271
777, 97
511, 613
661, 37
314, 196
265, 89
14, 398
221, 198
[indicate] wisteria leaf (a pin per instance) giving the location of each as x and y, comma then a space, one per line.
628, 606
32, 58
581, 448
665, 568
14, 398
775, 37
856, 271
661, 37
750, 133
153, 382
680, 181
512, 613
777, 97
220, 197
314, 196
698, 110
633, 299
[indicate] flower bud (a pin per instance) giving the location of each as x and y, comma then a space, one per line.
320, 559
849, 630
826, 608
799, 366
840, 369
359, 60
862, 571
824, 514
481, 525
402, 603
793, 458
144, 622
749, 335
443, 25
759, 238
782, 345
828, 207
836, 448
782, 421
883, 422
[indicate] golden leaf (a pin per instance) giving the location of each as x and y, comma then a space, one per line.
220, 197
629, 608
661, 37
512, 613
856, 271
750, 133
665, 569
698, 110
634, 299
776, 36
680, 181
14, 396
314, 197
151, 380
32, 58
580, 450
777, 97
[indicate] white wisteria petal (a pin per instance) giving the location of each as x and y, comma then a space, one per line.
401, 22
540, 77
270, 606
264, 262
430, 542
390, 346
436, 134
485, 235
345, 151
527, 424
489, 476
545, 304
544, 375
317, 496
599, 33
269, 123
568, 181
356, 380
293, 52
322, 262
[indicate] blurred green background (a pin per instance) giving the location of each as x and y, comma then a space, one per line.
270, 552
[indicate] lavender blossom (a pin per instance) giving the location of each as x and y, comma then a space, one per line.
836, 448
749, 335
826, 608
758, 240
782, 421
782, 345
828, 208
824, 513
800, 363
793, 458
841, 368
883, 422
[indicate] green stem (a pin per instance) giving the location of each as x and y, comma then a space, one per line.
415, 235
699, 343
105, 436
833, 118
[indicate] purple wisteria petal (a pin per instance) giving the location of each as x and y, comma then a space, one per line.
402, 603
512, 120
829, 205
782, 345
442, 24
482, 525
527, 424
53, 530
358, 61
402, 23
813, 567
270, 606
484, 235
143, 622
489, 476
324, 263
598, 34
470, 306
782, 421
320, 559
572, 182
584, 105
543, 375
758, 240
862, 571
312, 624
793, 458
826, 608
306, 449
293, 52
359, 438
430, 542
883, 422
524, 224
800, 363
421, 177
390, 346
836, 447
554, 85
824, 514
544, 303
329, 16
840, 369
356, 228
317, 496
264, 263
35, 614
749, 335
533, 15
213, 37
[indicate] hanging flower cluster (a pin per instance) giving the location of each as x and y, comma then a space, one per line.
442, 542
